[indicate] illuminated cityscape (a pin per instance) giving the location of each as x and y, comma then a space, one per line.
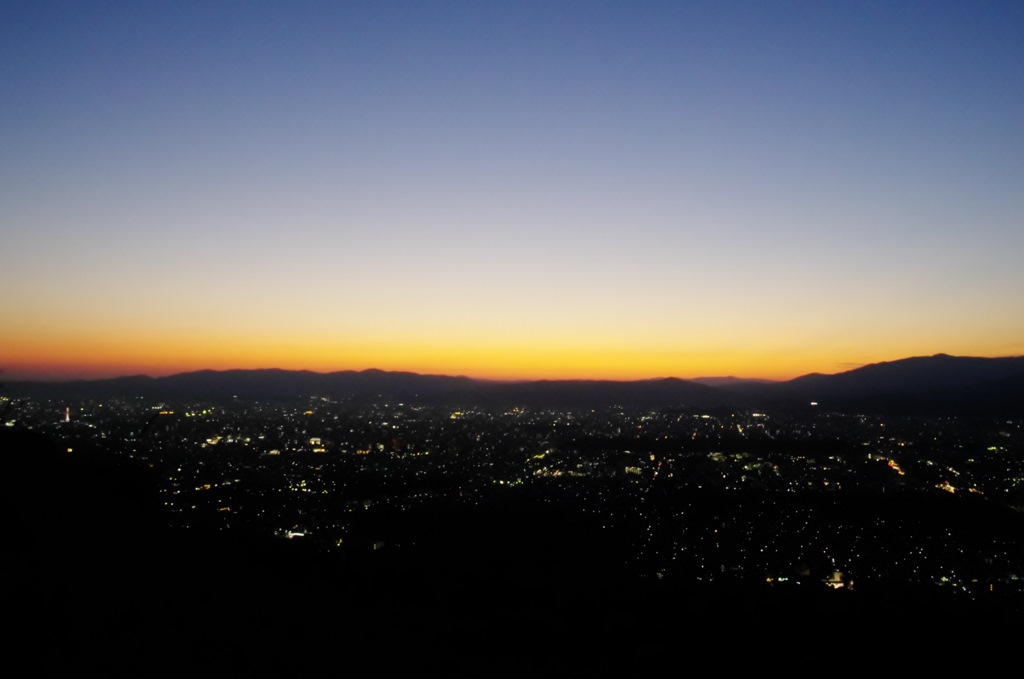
420, 511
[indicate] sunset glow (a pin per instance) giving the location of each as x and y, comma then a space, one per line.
520, 191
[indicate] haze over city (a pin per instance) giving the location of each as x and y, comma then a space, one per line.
509, 190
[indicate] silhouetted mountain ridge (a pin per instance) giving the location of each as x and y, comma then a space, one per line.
938, 384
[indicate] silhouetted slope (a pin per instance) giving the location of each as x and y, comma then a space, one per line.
936, 384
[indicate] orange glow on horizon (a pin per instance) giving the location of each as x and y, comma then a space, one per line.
114, 349
98, 361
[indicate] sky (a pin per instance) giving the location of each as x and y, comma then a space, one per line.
508, 190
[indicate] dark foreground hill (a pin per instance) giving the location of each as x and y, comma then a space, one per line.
97, 581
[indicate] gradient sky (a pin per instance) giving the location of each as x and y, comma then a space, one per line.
509, 189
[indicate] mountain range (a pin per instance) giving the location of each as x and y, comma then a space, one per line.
939, 384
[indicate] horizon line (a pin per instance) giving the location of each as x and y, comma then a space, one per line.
160, 375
